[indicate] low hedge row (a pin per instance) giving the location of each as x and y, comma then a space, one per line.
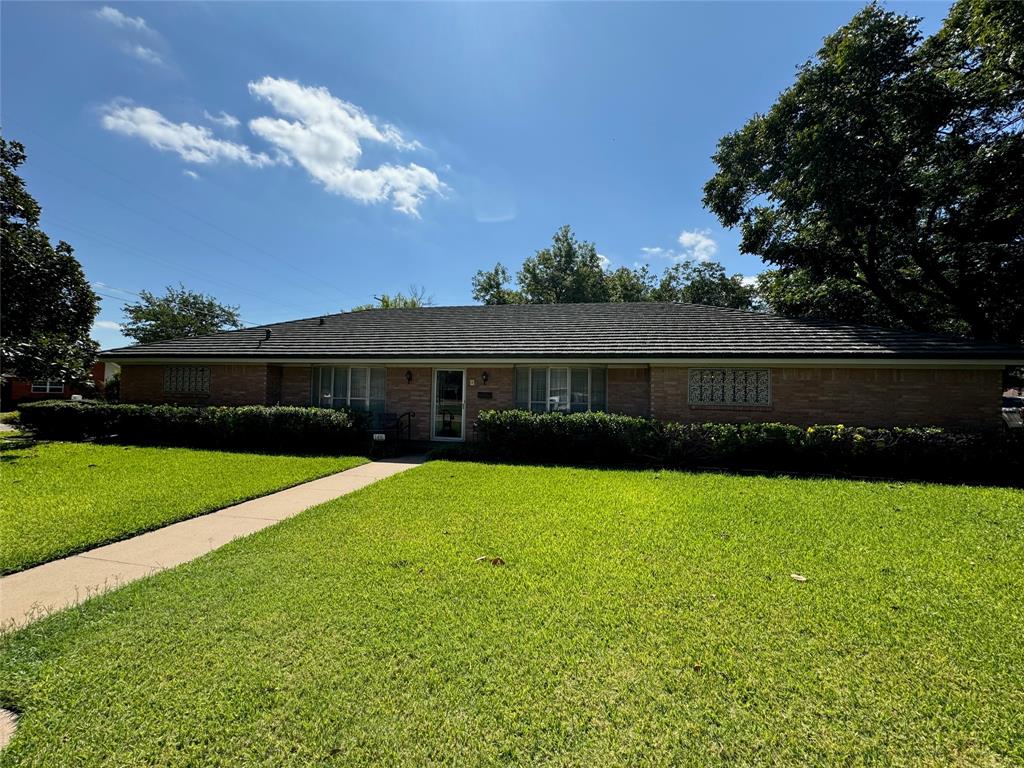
603, 439
277, 429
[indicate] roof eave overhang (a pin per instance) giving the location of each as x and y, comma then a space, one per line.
728, 359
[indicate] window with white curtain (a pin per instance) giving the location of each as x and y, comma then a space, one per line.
560, 389
343, 387
729, 386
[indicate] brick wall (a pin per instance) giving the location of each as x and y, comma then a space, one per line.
142, 383
629, 391
238, 384
402, 396
500, 384
275, 375
296, 382
229, 385
852, 396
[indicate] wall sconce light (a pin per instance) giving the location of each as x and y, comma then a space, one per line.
408, 377
484, 377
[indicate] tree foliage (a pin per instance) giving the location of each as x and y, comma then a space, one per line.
792, 292
179, 313
48, 308
417, 298
567, 272
888, 180
491, 286
571, 271
704, 282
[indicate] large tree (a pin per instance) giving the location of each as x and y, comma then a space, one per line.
571, 271
491, 286
179, 313
793, 292
47, 308
889, 177
567, 272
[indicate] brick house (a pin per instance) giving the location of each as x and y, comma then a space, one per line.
17, 391
680, 362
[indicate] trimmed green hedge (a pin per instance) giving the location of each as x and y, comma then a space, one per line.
604, 439
277, 429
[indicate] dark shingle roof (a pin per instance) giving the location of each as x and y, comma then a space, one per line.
649, 330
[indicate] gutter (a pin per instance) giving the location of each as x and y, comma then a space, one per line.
509, 361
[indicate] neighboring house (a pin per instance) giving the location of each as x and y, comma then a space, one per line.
680, 362
27, 390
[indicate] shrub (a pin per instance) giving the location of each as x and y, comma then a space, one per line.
610, 440
277, 429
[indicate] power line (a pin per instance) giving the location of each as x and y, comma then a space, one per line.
182, 232
123, 300
277, 259
125, 248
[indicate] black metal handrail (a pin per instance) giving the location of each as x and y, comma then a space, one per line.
391, 425
408, 416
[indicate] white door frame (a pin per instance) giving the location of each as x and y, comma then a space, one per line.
433, 406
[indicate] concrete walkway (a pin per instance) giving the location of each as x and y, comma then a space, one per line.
31, 594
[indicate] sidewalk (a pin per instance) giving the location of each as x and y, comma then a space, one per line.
31, 594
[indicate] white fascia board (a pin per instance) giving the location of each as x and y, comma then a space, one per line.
617, 362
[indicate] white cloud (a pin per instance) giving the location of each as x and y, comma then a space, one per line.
698, 244
142, 53
228, 121
749, 280
652, 250
604, 261
193, 143
118, 19
108, 325
191, 174
324, 136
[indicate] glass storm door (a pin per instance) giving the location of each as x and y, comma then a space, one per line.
449, 412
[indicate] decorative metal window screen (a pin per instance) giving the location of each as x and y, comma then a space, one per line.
187, 379
730, 386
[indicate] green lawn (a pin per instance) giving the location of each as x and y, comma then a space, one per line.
60, 498
641, 618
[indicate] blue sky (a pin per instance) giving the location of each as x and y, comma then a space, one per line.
296, 159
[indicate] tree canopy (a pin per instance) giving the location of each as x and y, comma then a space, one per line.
887, 183
571, 271
179, 313
48, 307
417, 298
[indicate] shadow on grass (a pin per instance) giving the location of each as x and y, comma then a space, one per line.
25, 439
470, 453
14, 447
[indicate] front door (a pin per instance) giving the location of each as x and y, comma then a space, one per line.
449, 411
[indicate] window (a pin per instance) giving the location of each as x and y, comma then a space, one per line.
730, 386
560, 389
187, 380
357, 388
48, 386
